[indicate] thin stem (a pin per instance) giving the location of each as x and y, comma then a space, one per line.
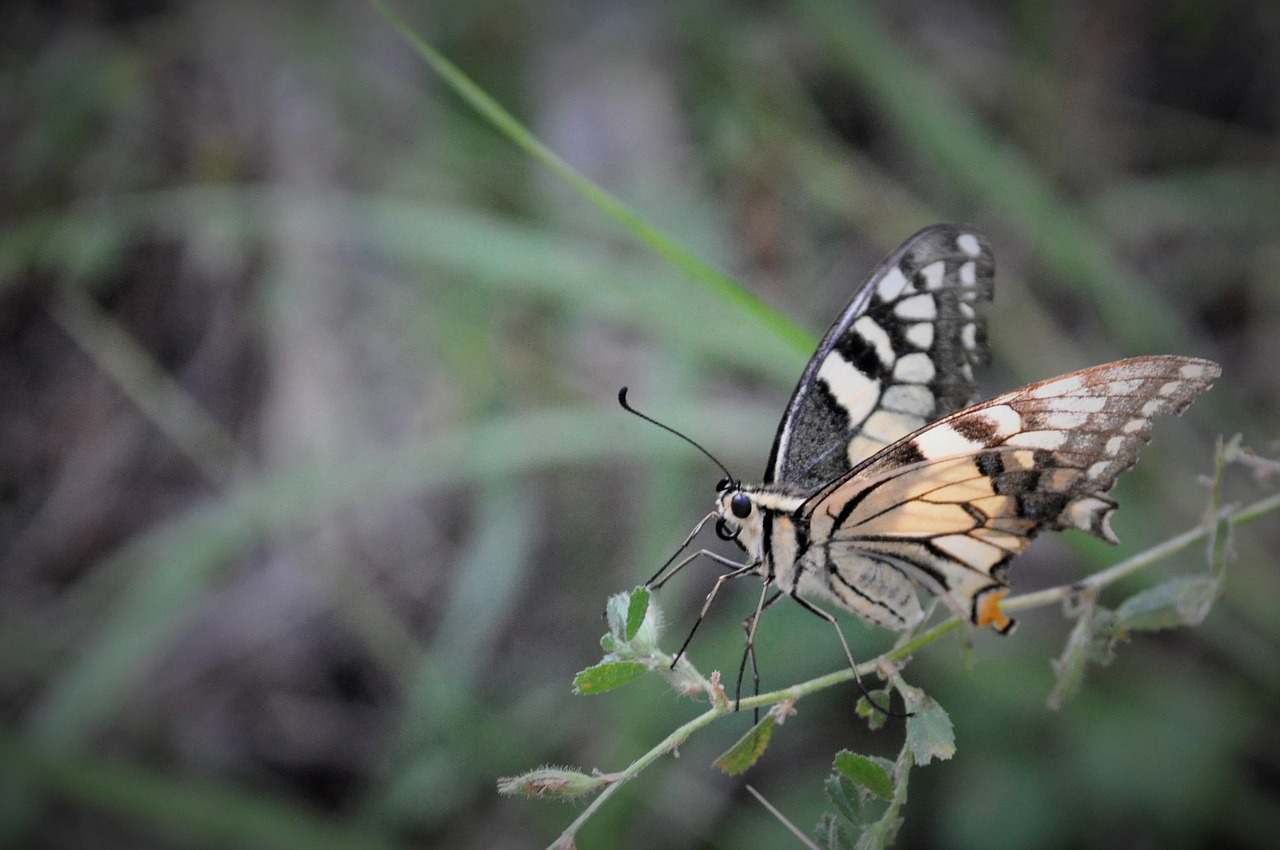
897, 654
663, 747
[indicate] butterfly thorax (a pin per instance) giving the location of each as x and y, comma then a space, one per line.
766, 522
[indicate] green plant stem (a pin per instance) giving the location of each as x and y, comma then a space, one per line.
900, 653
1143, 559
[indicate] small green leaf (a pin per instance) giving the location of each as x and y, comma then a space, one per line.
831, 833
929, 731
607, 676
636, 610
845, 795
738, 758
1181, 601
865, 773
880, 834
874, 716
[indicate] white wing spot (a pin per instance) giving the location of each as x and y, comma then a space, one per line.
969, 336
1116, 444
917, 307
887, 426
920, 335
944, 441
892, 284
1151, 408
909, 398
1099, 470
1008, 420
1038, 439
933, 274
861, 448
852, 390
1125, 387
914, 369
968, 243
875, 336
1068, 418
1060, 387
1170, 388
1193, 370
966, 310
966, 550
969, 274
1133, 426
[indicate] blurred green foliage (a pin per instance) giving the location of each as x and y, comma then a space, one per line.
314, 486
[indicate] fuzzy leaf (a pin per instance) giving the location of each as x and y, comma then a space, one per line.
738, 758
607, 676
846, 796
636, 610
1181, 601
929, 731
831, 833
875, 717
880, 834
866, 773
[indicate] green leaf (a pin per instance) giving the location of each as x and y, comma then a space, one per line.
846, 796
875, 717
636, 610
607, 676
738, 758
1181, 601
880, 834
866, 773
929, 731
831, 833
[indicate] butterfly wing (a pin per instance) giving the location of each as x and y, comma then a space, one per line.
900, 355
949, 506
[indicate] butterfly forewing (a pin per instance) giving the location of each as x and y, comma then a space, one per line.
951, 504
900, 355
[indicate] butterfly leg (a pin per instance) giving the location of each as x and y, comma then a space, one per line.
749, 651
814, 609
737, 571
653, 583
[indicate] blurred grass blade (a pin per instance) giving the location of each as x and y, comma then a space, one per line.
933, 121
172, 566
506, 123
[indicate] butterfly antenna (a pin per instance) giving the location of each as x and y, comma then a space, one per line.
622, 400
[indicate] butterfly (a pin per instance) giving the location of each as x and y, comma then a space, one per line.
884, 478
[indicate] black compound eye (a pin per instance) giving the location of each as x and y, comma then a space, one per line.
723, 485
740, 505
723, 531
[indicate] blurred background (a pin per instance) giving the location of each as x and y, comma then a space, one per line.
312, 481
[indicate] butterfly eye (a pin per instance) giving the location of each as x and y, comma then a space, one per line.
723, 485
723, 531
740, 505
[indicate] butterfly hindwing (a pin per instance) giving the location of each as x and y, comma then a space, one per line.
900, 355
951, 504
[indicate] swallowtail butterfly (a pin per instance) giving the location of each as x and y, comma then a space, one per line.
882, 478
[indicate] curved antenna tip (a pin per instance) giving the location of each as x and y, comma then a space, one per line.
622, 396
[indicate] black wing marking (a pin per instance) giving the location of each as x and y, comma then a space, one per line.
954, 502
900, 355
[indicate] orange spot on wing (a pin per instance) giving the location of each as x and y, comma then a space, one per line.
989, 613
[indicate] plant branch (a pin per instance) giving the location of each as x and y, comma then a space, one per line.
900, 653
